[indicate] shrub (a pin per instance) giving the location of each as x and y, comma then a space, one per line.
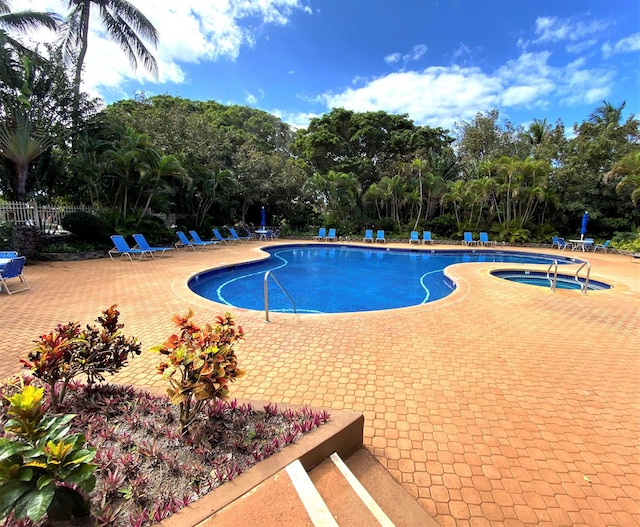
68, 351
204, 359
40, 462
86, 227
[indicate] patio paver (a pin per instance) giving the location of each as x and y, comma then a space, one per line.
502, 403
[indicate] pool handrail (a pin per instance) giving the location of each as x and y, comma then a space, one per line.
553, 282
266, 294
583, 286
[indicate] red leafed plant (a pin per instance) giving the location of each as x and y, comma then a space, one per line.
201, 363
69, 351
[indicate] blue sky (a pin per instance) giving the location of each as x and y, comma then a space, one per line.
439, 61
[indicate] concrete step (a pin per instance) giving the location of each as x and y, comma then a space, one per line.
366, 495
357, 492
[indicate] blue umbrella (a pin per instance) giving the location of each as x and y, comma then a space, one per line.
583, 228
263, 218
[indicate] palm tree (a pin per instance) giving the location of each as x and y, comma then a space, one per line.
607, 114
21, 144
418, 165
125, 25
10, 48
629, 168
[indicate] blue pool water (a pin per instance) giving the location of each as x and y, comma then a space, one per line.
540, 279
339, 278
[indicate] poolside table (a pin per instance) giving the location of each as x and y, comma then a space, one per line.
262, 233
578, 244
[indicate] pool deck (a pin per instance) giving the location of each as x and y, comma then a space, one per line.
502, 404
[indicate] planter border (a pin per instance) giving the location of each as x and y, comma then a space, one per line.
342, 434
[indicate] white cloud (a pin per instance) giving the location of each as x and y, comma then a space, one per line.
437, 95
415, 54
553, 29
442, 96
626, 45
250, 99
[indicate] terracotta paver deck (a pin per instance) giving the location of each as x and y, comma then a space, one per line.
501, 404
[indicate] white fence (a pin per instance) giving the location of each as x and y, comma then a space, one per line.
47, 218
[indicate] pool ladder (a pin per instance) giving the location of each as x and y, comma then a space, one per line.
553, 280
583, 285
266, 294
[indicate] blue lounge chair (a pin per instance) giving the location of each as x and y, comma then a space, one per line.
368, 236
142, 243
13, 269
236, 237
468, 239
484, 239
380, 236
5, 256
555, 242
322, 234
413, 237
426, 237
331, 236
604, 246
122, 248
219, 237
184, 241
562, 244
201, 243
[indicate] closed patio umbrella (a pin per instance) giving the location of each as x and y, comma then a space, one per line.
263, 219
583, 228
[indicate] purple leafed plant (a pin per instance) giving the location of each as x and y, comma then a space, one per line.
143, 478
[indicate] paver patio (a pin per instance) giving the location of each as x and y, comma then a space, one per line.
501, 404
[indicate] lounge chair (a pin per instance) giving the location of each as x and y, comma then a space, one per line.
122, 248
368, 236
5, 256
202, 243
322, 234
484, 239
635, 258
604, 246
413, 237
380, 236
183, 241
555, 242
562, 244
142, 243
426, 237
221, 238
13, 269
468, 239
236, 237
331, 236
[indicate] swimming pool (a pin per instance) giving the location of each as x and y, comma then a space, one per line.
541, 279
345, 279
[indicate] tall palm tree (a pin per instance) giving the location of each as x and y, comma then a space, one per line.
124, 24
18, 22
607, 114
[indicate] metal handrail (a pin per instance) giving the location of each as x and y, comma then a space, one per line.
553, 282
585, 286
266, 294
